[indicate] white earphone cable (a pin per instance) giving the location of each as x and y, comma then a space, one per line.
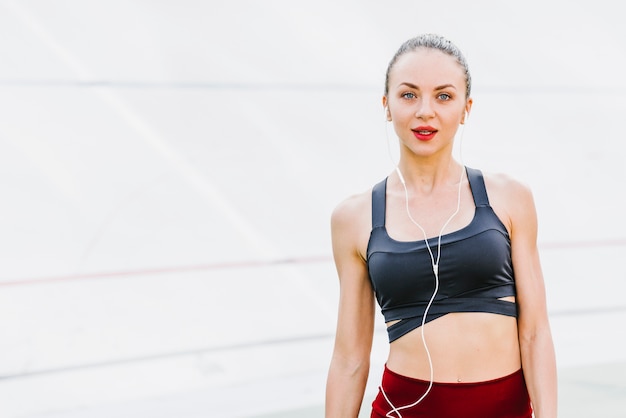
435, 267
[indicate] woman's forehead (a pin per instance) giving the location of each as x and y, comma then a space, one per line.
426, 66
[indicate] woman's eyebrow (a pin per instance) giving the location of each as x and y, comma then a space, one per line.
445, 86
413, 86
410, 85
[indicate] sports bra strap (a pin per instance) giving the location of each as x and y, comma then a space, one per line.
378, 204
477, 184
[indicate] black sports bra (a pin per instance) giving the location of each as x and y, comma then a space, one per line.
475, 270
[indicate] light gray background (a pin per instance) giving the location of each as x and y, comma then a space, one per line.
168, 170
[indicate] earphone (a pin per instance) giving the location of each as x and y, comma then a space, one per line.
465, 117
435, 268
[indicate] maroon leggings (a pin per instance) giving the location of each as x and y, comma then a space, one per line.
503, 397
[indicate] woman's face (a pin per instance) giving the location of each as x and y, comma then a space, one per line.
426, 101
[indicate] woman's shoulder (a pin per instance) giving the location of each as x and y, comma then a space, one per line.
511, 198
353, 208
505, 186
351, 225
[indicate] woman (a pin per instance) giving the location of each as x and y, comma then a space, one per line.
450, 255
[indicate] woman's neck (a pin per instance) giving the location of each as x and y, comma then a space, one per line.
427, 175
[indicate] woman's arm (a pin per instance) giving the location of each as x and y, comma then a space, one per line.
536, 346
349, 367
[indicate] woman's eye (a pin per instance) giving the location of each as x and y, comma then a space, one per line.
408, 95
444, 96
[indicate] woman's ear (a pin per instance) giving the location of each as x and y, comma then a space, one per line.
386, 106
468, 107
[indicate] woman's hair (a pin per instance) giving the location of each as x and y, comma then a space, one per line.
431, 41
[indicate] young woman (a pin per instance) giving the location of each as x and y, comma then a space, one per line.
450, 255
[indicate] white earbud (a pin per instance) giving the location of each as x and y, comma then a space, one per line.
465, 117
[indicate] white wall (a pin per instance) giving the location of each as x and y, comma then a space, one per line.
168, 169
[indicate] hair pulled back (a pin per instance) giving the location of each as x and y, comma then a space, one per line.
431, 41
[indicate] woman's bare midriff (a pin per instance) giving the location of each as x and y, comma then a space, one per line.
464, 347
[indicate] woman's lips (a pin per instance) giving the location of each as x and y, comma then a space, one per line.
424, 133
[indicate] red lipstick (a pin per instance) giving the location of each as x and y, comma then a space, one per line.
424, 133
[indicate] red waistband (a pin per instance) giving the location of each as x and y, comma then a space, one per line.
513, 375
505, 396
